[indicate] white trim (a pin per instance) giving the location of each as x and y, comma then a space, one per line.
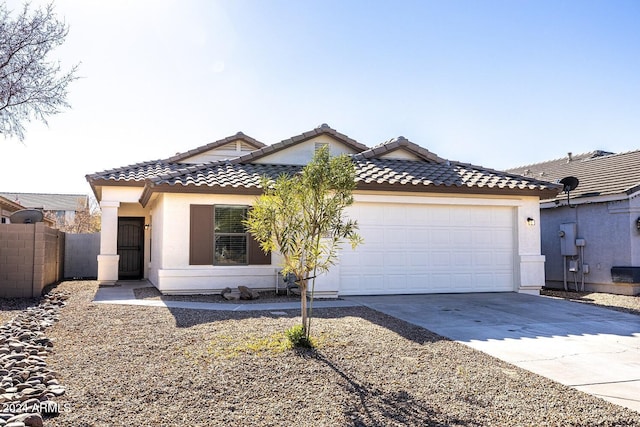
429, 200
585, 201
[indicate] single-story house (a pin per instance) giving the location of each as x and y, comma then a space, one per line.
9, 206
59, 208
429, 225
592, 238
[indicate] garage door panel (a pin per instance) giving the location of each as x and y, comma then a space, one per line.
417, 216
440, 259
481, 238
440, 237
502, 237
483, 259
464, 259
440, 216
395, 259
503, 260
393, 214
502, 216
431, 248
417, 236
394, 238
372, 235
503, 281
460, 216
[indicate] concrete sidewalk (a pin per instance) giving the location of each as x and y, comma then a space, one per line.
590, 348
123, 294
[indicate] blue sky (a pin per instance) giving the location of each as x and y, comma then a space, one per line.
492, 83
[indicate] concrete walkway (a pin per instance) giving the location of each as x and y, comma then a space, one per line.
586, 347
592, 349
122, 293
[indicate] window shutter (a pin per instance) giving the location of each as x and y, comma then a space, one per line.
201, 235
256, 254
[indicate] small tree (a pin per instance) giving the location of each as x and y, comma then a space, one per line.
30, 85
301, 217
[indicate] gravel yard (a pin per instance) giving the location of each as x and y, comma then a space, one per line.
126, 365
624, 303
9, 307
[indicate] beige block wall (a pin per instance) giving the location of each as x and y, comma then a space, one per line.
31, 257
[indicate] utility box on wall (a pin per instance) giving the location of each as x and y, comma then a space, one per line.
568, 239
625, 274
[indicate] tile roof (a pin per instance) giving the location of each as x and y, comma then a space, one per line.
138, 172
372, 174
48, 202
398, 143
600, 173
555, 166
426, 175
241, 175
224, 174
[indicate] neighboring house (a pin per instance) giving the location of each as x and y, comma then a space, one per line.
60, 208
7, 207
603, 217
429, 225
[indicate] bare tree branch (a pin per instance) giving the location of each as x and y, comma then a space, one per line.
31, 86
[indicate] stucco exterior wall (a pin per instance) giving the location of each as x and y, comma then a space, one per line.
170, 270
634, 218
610, 237
156, 222
171, 273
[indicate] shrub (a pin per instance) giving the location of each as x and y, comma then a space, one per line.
297, 337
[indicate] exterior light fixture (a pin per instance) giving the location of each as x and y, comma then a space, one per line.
147, 226
532, 222
638, 223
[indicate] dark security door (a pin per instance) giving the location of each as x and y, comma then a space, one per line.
130, 247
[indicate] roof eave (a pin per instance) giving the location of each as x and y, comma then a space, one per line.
150, 190
441, 188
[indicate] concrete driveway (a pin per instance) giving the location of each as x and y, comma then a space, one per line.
592, 349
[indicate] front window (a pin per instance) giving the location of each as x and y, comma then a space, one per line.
230, 235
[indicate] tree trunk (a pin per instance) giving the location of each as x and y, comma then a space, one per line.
303, 305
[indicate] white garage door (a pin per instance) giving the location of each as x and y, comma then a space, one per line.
429, 249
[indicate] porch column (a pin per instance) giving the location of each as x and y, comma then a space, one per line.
108, 258
531, 261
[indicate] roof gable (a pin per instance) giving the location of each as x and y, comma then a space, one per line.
600, 173
400, 148
226, 148
299, 149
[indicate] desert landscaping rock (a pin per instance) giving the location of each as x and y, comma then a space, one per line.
247, 294
23, 368
27, 420
139, 365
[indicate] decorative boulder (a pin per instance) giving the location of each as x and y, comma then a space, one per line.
247, 294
